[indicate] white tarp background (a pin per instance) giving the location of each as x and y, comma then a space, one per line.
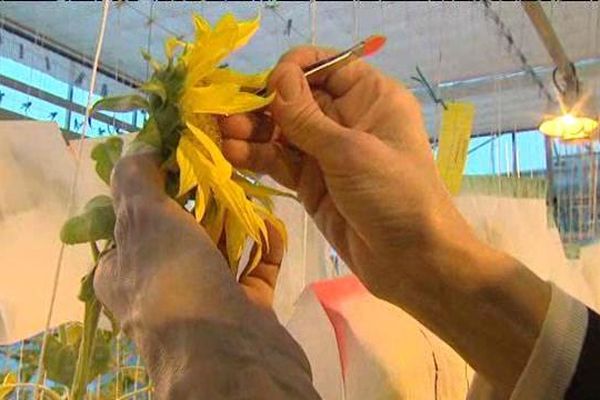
36, 172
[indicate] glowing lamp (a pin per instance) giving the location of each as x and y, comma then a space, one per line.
569, 127
577, 118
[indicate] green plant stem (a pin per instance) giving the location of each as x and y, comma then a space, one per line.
95, 252
93, 309
90, 325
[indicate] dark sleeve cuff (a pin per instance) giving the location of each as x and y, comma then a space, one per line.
586, 380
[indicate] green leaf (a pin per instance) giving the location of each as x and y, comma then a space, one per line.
121, 103
153, 63
72, 333
86, 290
61, 355
134, 373
156, 88
100, 362
148, 136
256, 189
168, 120
106, 155
97, 222
60, 360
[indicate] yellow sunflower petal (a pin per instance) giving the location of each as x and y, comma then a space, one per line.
227, 75
228, 195
273, 220
225, 99
212, 46
236, 238
226, 32
246, 30
233, 197
214, 220
187, 178
223, 167
171, 44
256, 257
201, 200
201, 61
203, 28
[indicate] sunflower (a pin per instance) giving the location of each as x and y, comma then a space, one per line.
184, 96
223, 203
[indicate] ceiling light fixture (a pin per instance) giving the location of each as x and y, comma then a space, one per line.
576, 118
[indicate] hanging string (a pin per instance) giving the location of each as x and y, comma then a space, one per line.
149, 42
73, 189
313, 22
355, 33
118, 366
136, 376
438, 78
383, 22
20, 368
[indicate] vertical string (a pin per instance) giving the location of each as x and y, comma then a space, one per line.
73, 188
118, 365
149, 41
313, 22
438, 78
136, 374
20, 369
355, 33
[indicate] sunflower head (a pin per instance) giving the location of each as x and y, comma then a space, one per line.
186, 95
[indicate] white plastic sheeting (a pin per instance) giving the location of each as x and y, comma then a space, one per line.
374, 350
36, 172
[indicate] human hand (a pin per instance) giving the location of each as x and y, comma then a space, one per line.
201, 335
367, 177
162, 251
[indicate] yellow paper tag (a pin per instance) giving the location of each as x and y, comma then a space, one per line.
455, 133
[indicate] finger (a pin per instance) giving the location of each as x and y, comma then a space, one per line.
327, 104
253, 127
105, 279
298, 115
263, 158
336, 81
138, 174
270, 261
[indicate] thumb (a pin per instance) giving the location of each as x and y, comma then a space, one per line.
298, 115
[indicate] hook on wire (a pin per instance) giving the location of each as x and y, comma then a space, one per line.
562, 89
423, 81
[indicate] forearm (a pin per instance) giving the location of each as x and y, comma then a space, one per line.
193, 359
485, 304
198, 334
